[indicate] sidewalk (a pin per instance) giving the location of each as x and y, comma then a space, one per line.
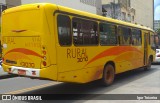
4, 75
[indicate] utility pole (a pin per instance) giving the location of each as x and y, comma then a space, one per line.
114, 9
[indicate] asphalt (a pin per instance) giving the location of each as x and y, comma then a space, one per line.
5, 75
136, 82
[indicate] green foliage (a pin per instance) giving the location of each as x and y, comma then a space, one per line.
158, 31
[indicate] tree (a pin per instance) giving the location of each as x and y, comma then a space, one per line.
158, 31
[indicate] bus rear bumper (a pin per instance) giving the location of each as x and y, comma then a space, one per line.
43, 73
25, 71
32, 72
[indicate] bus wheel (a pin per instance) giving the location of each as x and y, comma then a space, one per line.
148, 65
108, 75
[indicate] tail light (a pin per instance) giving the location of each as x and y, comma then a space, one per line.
44, 56
44, 52
158, 55
2, 59
44, 63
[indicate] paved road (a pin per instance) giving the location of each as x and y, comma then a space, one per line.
132, 82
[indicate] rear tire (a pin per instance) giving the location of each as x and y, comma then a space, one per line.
108, 75
148, 65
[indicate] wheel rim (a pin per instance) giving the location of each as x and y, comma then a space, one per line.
109, 74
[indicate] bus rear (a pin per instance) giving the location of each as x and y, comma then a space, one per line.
23, 40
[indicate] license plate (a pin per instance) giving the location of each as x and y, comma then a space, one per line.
21, 72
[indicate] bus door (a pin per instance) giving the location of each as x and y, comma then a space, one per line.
146, 42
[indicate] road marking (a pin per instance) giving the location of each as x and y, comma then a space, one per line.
32, 88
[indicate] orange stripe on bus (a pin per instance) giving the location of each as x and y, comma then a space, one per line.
113, 51
24, 51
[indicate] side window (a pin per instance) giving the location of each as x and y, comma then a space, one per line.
85, 32
124, 35
136, 37
107, 34
64, 30
152, 41
149, 37
155, 41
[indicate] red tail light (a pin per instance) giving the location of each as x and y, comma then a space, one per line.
44, 63
158, 55
44, 56
2, 59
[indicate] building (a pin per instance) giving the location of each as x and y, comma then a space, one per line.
134, 11
144, 12
120, 10
156, 24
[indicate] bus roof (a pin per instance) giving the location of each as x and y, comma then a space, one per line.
75, 12
94, 16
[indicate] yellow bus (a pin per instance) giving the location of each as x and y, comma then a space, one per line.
0, 44
62, 44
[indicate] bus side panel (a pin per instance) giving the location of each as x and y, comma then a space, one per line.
152, 46
82, 75
79, 69
145, 42
49, 43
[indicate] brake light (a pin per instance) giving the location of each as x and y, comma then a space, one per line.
44, 56
44, 63
2, 59
158, 55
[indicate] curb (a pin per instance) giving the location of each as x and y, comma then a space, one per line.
5, 76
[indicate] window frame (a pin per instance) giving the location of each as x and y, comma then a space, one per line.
140, 36
116, 36
89, 20
70, 44
130, 30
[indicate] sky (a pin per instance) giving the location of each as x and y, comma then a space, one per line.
157, 9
